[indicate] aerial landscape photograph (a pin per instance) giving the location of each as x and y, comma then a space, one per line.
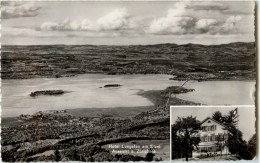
93, 81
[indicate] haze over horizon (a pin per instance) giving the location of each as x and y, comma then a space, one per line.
127, 23
124, 44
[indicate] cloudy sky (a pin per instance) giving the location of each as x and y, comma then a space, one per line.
246, 117
124, 23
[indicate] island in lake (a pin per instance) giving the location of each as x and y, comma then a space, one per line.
112, 85
57, 134
47, 92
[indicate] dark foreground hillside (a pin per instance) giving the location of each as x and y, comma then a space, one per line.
76, 135
234, 61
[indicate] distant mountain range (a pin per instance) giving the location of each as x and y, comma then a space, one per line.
235, 61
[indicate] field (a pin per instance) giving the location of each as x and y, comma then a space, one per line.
79, 131
80, 134
234, 61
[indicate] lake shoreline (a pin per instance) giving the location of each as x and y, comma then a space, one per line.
151, 95
83, 128
148, 94
174, 77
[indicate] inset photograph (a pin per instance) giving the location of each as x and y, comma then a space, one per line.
213, 133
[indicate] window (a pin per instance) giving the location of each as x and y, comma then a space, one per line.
203, 138
220, 137
213, 137
213, 128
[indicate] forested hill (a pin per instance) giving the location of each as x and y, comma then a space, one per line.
234, 61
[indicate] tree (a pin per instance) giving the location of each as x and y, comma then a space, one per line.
149, 156
243, 151
220, 142
75, 155
186, 130
235, 141
231, 120
57, 156
252, 146
217, 116
235, 135
177, 151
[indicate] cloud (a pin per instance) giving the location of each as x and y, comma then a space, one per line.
14, 32
241, 8
185, 18
179, 9
208, 6
230, 24
206, 25
113, 21
67, 25
19, 9
175, 22
172, 25
179, 21
26, 32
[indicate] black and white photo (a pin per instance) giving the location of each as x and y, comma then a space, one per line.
93, 81
213, 133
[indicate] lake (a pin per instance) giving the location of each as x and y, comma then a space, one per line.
86, 92
221, 92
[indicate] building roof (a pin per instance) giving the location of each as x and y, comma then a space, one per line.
214, 121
